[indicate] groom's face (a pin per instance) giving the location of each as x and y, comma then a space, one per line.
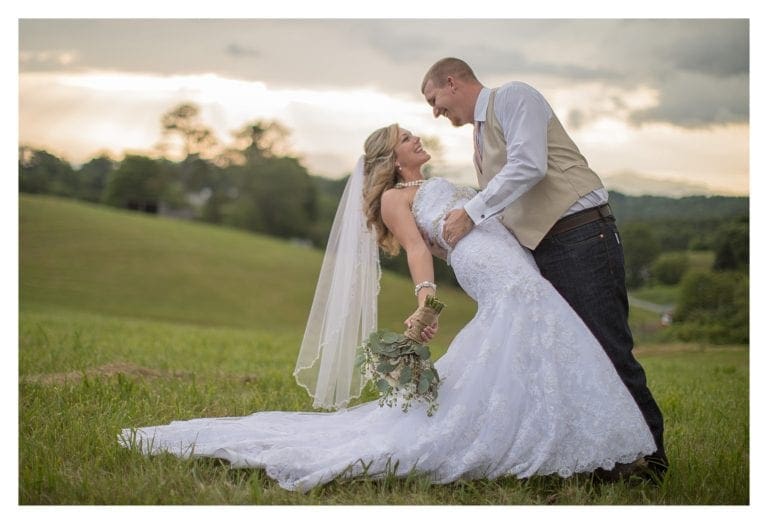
444, 102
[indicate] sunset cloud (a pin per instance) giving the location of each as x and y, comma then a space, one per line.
618, 85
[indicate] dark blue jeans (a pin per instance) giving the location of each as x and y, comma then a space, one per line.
586, 265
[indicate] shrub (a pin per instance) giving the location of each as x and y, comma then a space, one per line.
669, 268
714, 307
732, 247
640, 250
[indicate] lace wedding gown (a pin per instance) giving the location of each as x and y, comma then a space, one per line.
526, 391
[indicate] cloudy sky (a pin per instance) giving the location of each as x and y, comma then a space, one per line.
655, 105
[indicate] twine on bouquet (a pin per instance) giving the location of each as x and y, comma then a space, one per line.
426, 315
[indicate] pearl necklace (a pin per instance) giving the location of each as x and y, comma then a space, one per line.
412, 183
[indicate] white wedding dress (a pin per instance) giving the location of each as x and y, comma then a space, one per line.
527, 390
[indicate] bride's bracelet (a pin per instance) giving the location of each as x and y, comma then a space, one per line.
424, 284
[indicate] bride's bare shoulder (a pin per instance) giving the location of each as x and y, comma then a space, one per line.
394, 206
394, 197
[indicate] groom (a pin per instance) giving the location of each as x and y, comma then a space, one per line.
533, 176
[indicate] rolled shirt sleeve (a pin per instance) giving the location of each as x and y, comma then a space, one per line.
524, 116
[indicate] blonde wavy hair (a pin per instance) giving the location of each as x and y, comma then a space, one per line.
380, 175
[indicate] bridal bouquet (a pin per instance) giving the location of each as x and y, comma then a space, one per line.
400, 364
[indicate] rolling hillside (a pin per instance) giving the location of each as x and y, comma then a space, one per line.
88, 258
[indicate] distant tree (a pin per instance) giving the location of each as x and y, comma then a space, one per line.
42, 172
640, 251
732, 247
704, 291
140, 183
328, 195
212, 209
682, 235
255, 142
714, 307
687, 209
196, 174
669, 268
276, 196
94, 176
183, 123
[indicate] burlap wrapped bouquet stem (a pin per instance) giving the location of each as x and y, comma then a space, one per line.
425, 316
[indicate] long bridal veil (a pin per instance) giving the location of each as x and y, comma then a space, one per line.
344, 309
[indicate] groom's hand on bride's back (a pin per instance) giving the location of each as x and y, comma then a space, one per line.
457, 225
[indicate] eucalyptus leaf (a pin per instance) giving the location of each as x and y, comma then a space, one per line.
423, 385
390, 337
382, 385
405, 376
385, 367
376, 344
421, 351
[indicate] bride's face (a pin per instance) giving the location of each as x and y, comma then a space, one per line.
408, 151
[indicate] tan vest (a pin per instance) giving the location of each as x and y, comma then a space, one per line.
568, 178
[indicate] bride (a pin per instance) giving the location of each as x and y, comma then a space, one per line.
526, 390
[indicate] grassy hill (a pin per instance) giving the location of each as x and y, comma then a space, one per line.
88, 258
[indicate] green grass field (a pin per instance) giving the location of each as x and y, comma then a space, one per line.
128, 320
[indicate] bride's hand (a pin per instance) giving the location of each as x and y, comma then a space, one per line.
428, 333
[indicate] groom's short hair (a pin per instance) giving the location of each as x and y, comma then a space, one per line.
445, 67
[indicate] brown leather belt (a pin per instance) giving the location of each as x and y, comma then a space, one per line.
579, 219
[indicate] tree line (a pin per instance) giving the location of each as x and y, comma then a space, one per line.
244, 185
251, 183
254, 183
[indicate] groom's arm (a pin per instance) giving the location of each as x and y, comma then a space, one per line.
524, 116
